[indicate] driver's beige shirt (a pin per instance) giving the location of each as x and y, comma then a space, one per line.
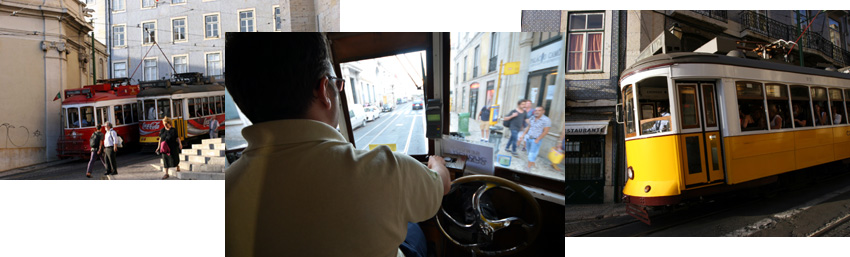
300, 189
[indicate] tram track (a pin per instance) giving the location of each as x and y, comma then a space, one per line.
696, 212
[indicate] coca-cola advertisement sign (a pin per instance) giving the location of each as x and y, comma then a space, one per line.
148, 127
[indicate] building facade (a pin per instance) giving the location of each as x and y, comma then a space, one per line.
601, 44
44, 49
475, 75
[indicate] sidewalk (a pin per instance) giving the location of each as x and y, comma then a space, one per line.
131, 166
578, 212
519, 161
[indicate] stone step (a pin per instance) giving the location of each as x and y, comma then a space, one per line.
212, 153
208, 146
200, 175
207, 160
191, 152
213, 141
197, 167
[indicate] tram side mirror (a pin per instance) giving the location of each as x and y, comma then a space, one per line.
619, 112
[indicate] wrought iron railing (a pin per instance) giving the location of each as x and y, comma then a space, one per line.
714, 14
492, 65
762, 25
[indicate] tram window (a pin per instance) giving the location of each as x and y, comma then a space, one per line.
778, 115
837, 108
847, 102
708, 105
150, 106
141, 115
88, 116
751, 110
128, 115
218, 100
801, 109
119, 115
103, 114
211, 105
628, 98
177, 107
820, 103
163, 108
191, 105
136, 113
73, 117
205, 109
654, 102
688, 106
379, 82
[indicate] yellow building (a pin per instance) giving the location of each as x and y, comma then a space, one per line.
44, 49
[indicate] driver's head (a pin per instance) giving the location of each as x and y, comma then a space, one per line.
278, 76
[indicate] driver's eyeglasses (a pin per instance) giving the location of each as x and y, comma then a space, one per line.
339, 82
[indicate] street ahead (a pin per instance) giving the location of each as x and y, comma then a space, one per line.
403, 126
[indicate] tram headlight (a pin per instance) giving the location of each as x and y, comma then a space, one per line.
630, 172
646, 189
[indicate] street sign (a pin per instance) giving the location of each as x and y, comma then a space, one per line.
511, 68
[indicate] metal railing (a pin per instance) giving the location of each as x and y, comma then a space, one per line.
762, 25
492, 65
714, 14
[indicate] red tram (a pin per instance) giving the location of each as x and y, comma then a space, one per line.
84, 108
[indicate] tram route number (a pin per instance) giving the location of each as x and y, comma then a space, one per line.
808, 79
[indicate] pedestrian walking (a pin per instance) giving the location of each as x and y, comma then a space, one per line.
110, 147
169, 146
96, 145
528, 114
214, 124
513, 122
484, 119
537, 128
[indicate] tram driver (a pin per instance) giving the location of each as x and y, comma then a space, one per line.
661, 125
300, 188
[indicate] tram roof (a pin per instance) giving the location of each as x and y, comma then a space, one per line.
158, 91
689, 57
97, 96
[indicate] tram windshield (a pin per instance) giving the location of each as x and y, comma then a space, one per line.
87, 113
377, 83
654, 104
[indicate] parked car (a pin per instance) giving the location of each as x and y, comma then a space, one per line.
372, 113
417, 104
399, 101
357, 116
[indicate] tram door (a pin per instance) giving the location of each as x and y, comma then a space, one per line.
177, 114
700, 142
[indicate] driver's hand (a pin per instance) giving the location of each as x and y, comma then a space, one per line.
436, 160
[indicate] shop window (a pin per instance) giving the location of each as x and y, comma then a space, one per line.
820, 105
837, 108
778, 110
801, 109
751, 110
654, 104
584, 157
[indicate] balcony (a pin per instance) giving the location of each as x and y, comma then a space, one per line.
719, 15
492, 65
772, 29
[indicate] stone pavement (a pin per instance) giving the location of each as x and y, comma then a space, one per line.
518, 161
587, 217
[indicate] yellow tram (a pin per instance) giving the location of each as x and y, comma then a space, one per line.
699, 123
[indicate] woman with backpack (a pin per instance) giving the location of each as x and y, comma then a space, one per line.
169, 146
96, 144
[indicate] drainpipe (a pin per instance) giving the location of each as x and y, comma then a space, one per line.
44, 69
93, 63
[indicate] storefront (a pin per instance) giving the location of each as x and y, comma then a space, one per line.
543, 67
586, 153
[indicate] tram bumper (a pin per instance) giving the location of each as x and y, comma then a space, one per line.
651, 193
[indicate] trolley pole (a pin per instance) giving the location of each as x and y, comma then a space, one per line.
93, 65
799, 31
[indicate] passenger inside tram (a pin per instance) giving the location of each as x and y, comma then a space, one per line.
775, 118
800, 117
821, 118
836, 116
